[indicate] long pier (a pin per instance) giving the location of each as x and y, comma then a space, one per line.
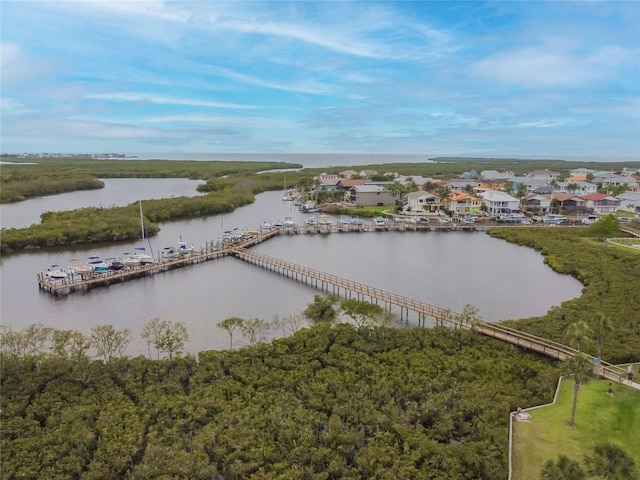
347, 288
80, 282
338, 286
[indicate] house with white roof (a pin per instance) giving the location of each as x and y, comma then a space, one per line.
422, 202
578, 188
498, 202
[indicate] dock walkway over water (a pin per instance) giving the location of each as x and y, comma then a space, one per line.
348, 288
338, 286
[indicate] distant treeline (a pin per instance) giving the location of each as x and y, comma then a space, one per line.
52, 176
97, 224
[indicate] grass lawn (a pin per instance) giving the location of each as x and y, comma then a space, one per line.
599, 417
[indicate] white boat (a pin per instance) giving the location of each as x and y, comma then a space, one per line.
266, 225
323, 219
169, 253
312, 222
324, 223
554, 218
185, 249
139, 257
56, 272
76, 267
379, 222
97, 264
288, 222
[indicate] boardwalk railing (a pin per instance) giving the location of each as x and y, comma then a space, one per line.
522, 339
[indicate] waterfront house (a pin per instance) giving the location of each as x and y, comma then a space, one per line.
613, 180
570, 203
538, 203
462, 203
498, 202
629, 201
602, 203
422, 202
347, 184
370, 194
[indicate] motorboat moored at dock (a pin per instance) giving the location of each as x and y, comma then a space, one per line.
56, 272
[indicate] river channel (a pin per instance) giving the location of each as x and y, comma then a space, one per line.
448, 269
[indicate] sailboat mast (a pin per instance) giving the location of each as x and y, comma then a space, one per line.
141, 219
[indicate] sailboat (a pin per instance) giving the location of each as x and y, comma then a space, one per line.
140, 256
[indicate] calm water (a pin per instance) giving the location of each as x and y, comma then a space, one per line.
116, 192
448, 269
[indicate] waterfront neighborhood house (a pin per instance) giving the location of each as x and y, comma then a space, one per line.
629, 201
463, 203
370, 194
570, 203
422, 202
539, 203
348, 184
612, 180
602, 203
498, 202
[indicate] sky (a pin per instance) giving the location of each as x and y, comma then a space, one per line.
510, 78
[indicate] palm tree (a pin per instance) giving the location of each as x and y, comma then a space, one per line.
581, 368
562, 469
578, 333
573, 187
601, 326
610, 462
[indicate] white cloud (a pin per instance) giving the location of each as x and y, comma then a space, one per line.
310, 87
160, 99
547, 66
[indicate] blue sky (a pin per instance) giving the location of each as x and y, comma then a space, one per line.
511, 78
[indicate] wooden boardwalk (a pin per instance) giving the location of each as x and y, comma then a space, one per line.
338, 286
347, 288
76, 283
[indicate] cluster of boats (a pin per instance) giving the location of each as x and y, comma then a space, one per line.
96, 265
